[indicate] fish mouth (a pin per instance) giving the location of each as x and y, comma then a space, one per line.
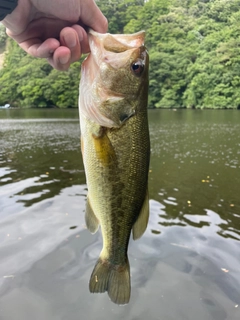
118, 42
113, 75
116, 50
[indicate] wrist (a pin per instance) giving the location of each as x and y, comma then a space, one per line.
7, 7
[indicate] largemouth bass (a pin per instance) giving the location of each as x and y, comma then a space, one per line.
116, 149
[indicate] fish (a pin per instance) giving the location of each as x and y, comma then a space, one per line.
115, 149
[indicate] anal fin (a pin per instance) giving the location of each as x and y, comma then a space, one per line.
90, 218
140, 225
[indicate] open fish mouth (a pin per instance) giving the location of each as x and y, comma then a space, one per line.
112, 57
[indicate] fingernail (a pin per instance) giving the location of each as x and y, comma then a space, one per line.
64, 60
70, 41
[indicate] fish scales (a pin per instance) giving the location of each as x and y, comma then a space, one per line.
119, 195
116, 158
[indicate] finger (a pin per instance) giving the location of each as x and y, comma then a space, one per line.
83, 38
45, 49
61, 58
69, 38
92, 17
39, 49
31, 46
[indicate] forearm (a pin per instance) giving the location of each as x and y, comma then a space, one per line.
6, 7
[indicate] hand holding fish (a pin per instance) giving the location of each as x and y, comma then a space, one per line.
54, 29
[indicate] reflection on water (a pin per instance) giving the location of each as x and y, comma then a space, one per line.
186, 266
38, 158
195, 156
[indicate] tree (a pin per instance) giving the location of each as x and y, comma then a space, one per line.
3, 36
194, 51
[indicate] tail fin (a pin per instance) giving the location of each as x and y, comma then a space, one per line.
113, 279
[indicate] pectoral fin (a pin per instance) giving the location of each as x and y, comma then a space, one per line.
103, 147
90, 218
140, 225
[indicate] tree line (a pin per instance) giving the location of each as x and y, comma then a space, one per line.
194, 49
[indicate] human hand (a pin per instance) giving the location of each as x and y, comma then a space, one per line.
54, 29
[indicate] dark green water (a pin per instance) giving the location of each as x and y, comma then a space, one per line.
187, 264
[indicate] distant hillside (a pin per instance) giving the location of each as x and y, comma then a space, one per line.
1, 57
194, 49
3, 38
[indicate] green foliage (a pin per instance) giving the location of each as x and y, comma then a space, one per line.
62, 87
30, 82
119, 13
3, 36
194, 48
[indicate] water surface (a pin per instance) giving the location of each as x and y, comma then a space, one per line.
187, 264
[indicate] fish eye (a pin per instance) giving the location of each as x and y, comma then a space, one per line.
137, 68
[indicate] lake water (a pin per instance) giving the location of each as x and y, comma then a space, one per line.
187, 264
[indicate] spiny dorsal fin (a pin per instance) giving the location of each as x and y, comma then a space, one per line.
90, 218
140, 225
